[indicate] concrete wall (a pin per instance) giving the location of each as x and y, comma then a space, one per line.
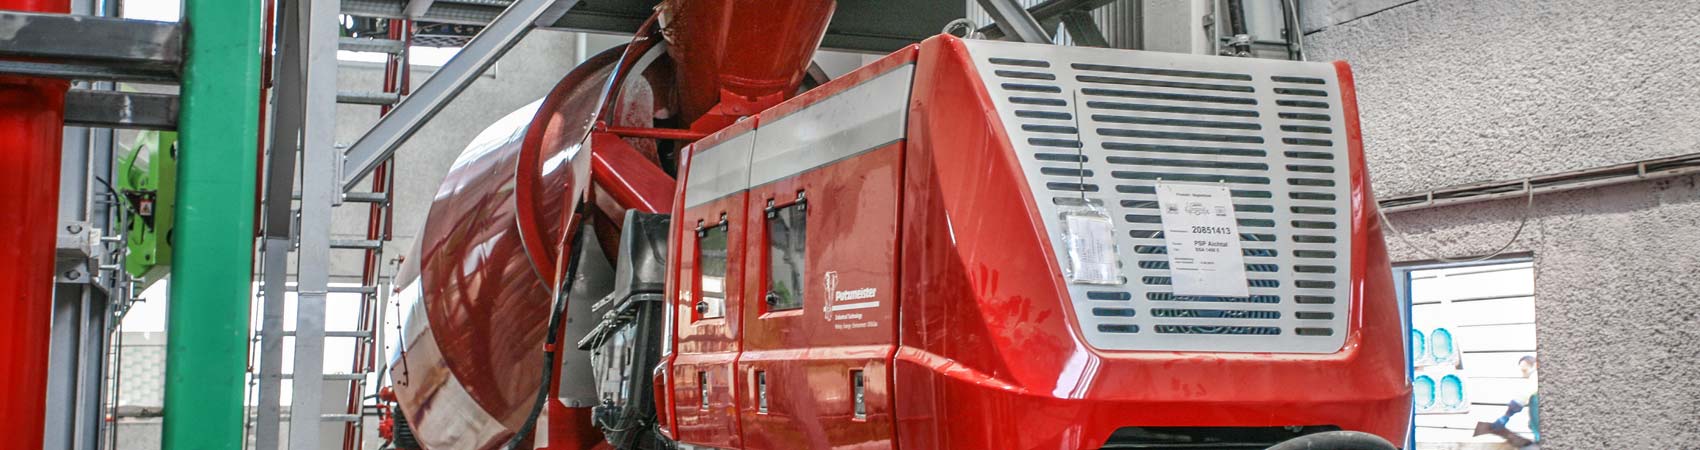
1615, 291
1456, 92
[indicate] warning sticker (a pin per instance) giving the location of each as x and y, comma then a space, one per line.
1203, 240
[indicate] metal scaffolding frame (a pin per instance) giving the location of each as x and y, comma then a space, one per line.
495, 40
304, 122
1084, 23
1015, 21
90, 284
92, 291
90, 46
320, 27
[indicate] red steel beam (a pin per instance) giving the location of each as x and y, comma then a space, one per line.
32, 114
633, 181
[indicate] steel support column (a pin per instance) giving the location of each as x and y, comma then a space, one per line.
319, 28
82, 304
31, 114
207, 351
279, 218
79, 349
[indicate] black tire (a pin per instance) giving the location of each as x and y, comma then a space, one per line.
1336, 440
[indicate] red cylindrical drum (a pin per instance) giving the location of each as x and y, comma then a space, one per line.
469, 365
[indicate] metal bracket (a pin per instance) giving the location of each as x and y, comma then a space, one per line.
340, 162
77, 254
1237, 45
115, 109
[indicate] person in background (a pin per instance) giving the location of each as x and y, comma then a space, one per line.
1530, 401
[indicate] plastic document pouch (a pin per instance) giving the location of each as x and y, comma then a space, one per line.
1089, 238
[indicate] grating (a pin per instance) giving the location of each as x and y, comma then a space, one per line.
1103, 127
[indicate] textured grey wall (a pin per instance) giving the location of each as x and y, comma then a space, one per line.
1457, 92
1617, 278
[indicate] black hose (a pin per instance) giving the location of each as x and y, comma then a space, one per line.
556, 310
1236, 18
1336, 440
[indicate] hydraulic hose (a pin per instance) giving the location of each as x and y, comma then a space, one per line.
1336, 440
557, 315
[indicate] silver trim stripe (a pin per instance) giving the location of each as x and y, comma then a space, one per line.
1104, 126
861, 118
867, 116
720, 170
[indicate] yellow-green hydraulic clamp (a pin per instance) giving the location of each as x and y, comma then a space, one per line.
147, 180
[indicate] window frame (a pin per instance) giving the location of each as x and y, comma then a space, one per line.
1403, 272
701, 294
769, 215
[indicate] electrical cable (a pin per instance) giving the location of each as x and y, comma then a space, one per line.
1528, 210
126, 210
556, 311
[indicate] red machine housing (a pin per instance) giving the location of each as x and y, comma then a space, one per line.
973, 342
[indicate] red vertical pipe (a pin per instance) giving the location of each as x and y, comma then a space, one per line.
32, 113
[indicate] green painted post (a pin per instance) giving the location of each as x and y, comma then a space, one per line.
207, 333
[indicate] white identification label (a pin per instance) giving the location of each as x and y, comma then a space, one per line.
1203, 240
1090, 237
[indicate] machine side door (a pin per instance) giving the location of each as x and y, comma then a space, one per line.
820, 312
710, 281
820, 299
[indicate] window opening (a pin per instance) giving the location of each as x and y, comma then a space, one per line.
787, 236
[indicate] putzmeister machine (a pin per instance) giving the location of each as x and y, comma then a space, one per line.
966, 244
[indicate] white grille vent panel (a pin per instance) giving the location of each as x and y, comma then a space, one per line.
1105, 125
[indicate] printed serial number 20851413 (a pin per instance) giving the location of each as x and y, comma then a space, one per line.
1211, 230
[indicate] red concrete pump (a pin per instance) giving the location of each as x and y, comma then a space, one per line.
693, 243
